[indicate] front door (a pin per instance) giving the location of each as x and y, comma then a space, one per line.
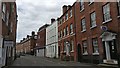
79, 53
113, 50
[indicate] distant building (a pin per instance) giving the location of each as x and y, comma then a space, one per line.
27, 45
41, 41
8, 26
52, 39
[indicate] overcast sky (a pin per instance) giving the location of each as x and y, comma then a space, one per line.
32, 14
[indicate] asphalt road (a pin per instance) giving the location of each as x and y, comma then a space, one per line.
38, 62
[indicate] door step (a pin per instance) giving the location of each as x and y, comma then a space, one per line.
108, 65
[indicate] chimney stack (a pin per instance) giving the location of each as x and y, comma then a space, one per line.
52, 20
64, 8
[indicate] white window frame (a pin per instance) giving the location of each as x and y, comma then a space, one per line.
91, 1
3, 11
81, 5
83, 23
66, 16
106, 12
118, 7
72, 45
70, 13
85, 49
95, 46
93, 19
71, 28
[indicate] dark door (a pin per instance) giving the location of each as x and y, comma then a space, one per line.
59, 51
79, 53
113, 50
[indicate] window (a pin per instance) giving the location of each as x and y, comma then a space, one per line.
71, 28
67, 30
83, 24
61, 33
4, 7
106, 12
71, 45
93, 19
64, 33
64, 46
3, 11
70, 13
95, 45
81, 5
84, 43
66, 16
7, 18
118, 7
11, 27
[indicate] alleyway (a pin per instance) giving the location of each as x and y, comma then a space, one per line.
41, 61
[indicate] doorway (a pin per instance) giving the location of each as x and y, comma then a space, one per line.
79, 53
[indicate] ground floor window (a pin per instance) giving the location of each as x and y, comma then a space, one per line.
95, 45
84, 44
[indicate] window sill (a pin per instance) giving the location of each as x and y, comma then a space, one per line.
82, 10
118, 16
93, 27
83, 31
107, 21
71, 33
72, 51
85, 53
95, 54
90, 3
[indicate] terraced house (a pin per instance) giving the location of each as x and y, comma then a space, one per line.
66, 34
8, 26
98, 32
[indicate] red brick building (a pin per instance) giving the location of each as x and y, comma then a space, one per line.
66, 33
8, 26
27, 44
97, 32
41, 40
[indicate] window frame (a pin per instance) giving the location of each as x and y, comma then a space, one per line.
106, 13
95, 46
71, 28
83, 24
93, 19
81, 5
85, 48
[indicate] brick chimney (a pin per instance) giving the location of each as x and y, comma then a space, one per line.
69, 6
64, 8
52, 20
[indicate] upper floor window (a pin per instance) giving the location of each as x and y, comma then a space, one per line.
95, 45
84, 44
3, 11
66, 16
71, 45
70, 13
83, 25
106, 12
67, 30
93, 19
11, 27
81, 5
64, 32
61, 33
119, 7
71, 28
4, 7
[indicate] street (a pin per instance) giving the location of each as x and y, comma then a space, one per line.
33, 61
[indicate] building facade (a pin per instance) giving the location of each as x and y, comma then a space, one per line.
41, 41
27, 44
66, 34
52, 39
97, 32
8, 26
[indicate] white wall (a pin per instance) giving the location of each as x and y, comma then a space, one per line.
52, 40
40, 52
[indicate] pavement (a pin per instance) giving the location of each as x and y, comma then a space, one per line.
29, 61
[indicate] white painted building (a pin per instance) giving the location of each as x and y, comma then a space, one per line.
52, 40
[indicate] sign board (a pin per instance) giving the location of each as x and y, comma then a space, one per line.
104, 28
8, 43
